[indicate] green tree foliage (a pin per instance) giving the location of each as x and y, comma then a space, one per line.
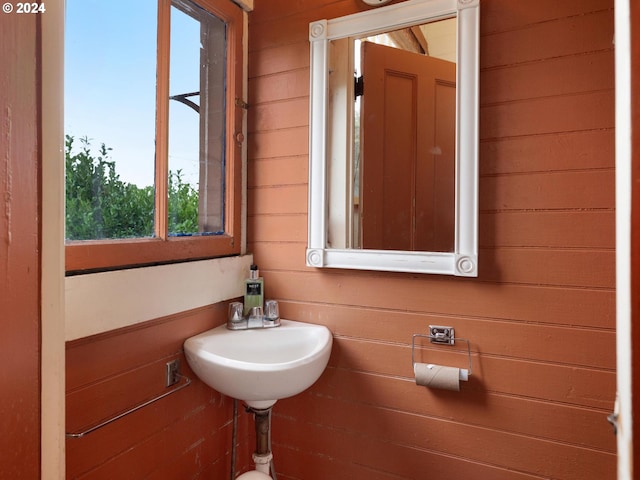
99, 205
183, 205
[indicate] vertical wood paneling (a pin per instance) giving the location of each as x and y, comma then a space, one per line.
541, 314
19, 247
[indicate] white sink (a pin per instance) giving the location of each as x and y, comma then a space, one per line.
260, 366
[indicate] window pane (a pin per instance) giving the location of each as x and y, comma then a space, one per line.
196, 121
110, 88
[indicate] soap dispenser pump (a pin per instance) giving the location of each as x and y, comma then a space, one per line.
254, 290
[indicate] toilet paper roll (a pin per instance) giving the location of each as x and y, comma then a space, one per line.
439, 376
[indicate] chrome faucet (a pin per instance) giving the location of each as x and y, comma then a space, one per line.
256, 318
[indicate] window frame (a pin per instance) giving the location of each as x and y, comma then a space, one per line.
99, 255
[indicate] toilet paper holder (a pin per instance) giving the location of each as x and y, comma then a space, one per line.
439, 335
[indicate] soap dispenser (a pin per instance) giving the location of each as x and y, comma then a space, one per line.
254, 290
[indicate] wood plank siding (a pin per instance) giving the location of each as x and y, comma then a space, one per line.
185, 435
541, 314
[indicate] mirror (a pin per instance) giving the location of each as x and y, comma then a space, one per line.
394, 139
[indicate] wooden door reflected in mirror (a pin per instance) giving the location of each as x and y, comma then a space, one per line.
406, 160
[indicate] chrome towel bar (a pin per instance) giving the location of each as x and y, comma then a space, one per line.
186, 383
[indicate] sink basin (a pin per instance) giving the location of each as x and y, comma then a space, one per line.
260, 366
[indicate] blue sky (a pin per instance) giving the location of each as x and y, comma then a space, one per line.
110, 78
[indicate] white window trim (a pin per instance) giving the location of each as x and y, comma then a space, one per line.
99, 302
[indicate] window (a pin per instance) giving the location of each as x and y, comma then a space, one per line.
151, 122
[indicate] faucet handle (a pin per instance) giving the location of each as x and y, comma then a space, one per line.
271, 310
235, 320
235, 312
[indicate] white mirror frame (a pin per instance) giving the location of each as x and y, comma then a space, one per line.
463, 261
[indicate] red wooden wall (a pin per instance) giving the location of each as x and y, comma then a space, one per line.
540, 315
19, 247
187, 434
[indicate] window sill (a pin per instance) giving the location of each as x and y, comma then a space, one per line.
100, 302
